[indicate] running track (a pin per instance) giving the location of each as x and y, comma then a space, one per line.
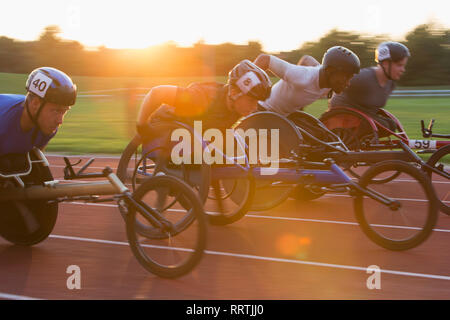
243, 260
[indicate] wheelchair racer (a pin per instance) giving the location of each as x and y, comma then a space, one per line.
371, 88
301, 85
31, 120
306, 82
216, 105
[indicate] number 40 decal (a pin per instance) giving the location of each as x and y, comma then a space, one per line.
40, 84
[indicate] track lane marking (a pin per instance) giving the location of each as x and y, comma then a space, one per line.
16, 297
268, 217
271, 259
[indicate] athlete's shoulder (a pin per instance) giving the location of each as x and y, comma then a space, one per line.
7, 104
197, 97
204, 91
11, 99
303, 76
205, 86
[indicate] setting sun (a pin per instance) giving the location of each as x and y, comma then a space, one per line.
279, 27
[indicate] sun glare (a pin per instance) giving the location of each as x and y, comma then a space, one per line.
282, 26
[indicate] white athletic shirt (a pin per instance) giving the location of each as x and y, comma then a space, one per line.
298, 87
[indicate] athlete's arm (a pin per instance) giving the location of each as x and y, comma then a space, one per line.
308, 61
153, 100
263, 61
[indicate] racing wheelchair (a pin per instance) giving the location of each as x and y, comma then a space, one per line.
30, 196
304, 161
359, 131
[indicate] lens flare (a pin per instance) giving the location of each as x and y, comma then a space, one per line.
292, 245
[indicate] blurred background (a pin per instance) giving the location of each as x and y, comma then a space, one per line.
116, 51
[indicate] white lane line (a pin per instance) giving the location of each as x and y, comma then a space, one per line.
262, 258
347, 196
339, 222
269, 217
83, 156
16, 297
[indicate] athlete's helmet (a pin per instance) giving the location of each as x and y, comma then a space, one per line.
394, 51
250, 79
341, 59
52, 85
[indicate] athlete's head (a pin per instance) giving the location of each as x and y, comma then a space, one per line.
50, 94
247, 85
392, 57
340, 64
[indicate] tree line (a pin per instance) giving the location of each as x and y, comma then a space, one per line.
429, 64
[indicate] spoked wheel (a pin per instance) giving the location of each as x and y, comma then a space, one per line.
231, 198
136, 166
129, 160
352, 127
348, 137
270, 193
29, 222
440, 160
176, 247
411, 219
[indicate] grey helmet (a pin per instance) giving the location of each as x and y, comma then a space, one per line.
341, 58
393, 51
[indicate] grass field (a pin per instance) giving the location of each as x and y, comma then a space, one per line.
106, 124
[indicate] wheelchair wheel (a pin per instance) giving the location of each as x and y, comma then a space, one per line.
177, 249
441, 160
270, 193
412, 222
349, 137
232, 198
139, 161
351, 127
29, 222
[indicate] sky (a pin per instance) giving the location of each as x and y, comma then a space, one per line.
279, 25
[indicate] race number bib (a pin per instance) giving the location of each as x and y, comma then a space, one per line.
40, 84
422, 144
247, 82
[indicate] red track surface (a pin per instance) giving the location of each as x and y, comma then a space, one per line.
243, 260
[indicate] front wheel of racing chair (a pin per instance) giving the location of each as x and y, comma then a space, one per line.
440, 160
409, 220
29, 222
171, 249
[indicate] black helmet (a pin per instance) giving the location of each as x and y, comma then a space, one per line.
394, 51
341, 59
52, 85
250, 79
